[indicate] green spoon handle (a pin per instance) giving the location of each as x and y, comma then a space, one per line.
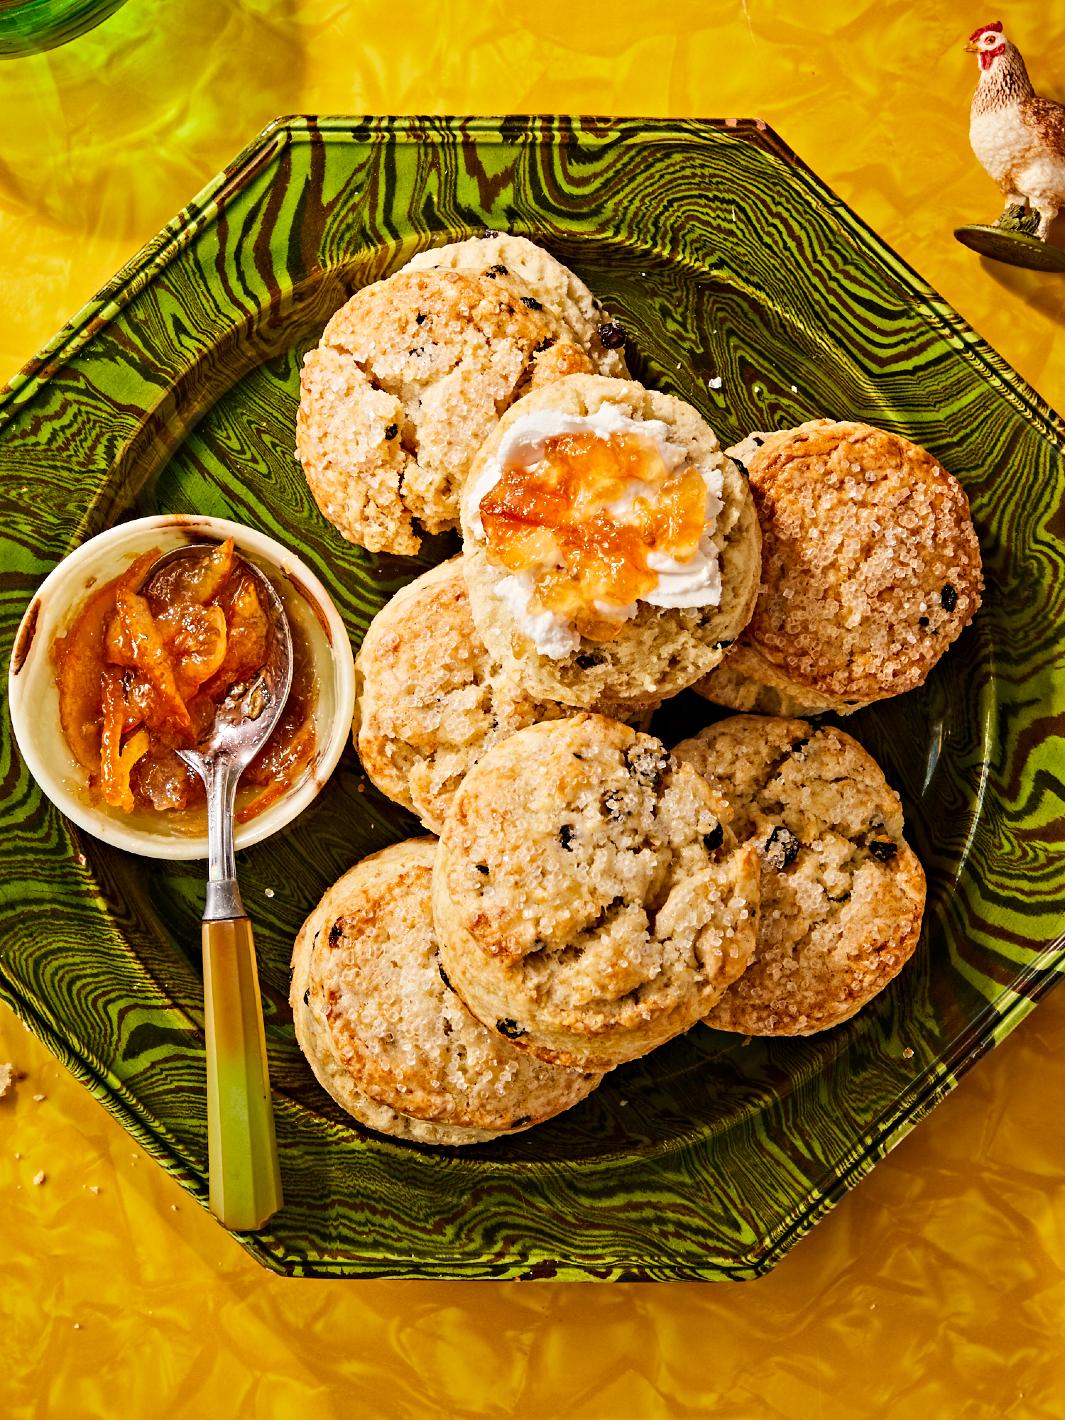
242, 1149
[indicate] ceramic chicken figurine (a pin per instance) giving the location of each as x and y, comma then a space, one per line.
1017, 136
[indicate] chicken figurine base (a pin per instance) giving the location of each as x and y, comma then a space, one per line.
1014, 248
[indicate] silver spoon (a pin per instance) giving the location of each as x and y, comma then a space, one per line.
245, 1180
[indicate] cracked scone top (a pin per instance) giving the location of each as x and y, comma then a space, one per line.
428, 706
842, 894
409, 377
384, 1035
590, 903
870, 570
548, 280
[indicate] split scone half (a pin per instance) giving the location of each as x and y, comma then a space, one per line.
870, 570
612, 551
430, 700
589, 901
842, 894
383, 1033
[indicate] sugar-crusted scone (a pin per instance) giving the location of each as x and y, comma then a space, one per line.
383, 1033
409, 377
870, 568
660, 649
842, 893
430, 700
548, 280
589, 902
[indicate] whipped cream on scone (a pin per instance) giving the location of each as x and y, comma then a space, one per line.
534, 447
611, 549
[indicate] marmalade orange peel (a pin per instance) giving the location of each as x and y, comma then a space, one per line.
563, 509
659, 643
142, 669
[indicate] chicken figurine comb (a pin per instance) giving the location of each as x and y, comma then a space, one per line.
1019, 138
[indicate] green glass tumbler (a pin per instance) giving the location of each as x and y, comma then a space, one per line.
28, 26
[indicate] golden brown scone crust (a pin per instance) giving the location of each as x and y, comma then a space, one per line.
661, 650
842, 894
589, 902
746, 681
547, 280
430, 700
558, 361
870, 564
384, 1034
409, 377
353, 468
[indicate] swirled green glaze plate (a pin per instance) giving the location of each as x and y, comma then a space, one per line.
748, 288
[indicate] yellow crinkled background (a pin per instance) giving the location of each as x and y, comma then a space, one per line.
938, 1288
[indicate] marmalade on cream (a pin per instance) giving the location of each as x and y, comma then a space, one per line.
591, 514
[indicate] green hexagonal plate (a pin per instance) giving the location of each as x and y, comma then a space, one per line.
728, 261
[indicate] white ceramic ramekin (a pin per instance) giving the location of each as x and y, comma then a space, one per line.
33, 695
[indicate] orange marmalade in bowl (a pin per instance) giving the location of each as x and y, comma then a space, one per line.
143, 668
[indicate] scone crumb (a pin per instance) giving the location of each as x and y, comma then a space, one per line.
39, 1177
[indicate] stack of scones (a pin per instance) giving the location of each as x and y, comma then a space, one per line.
584, 893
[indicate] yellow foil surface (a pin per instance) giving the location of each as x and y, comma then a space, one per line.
937, 1289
